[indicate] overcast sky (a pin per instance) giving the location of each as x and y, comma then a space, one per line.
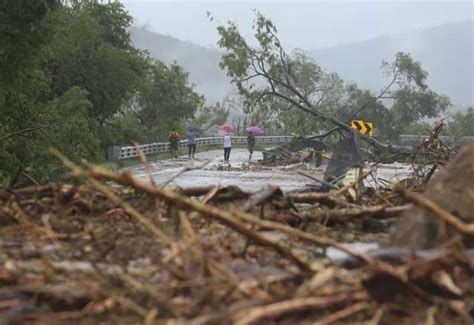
304, 24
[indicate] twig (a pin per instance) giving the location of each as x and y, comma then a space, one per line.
323, 198
324, 242
343, 313
376, 210
145, 162
31, 129
349, 186
440, 213
172, 197
225, 217
131, 305
182, 171
139, 286
377, 316
258, 315
114, 197
229, 218
261, 197
31, 178
321, 181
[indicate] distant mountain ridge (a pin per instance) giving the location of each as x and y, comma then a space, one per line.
445, 51
202, 63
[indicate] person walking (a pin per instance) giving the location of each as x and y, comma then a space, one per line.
191, 143
250, 144
174, 143
227, 147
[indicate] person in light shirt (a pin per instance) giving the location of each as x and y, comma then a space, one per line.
227, 147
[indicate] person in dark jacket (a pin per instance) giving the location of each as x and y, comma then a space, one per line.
191, 143
227, 147
250, 144
173, 138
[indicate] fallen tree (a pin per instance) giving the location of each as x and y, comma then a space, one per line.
265, 73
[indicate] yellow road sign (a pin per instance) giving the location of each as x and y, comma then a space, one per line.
363, 127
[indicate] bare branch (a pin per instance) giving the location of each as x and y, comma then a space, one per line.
20, 132
382, 93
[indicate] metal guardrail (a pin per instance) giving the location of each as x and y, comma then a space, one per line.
119, 153
412, 140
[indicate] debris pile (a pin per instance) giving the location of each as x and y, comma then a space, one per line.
283, 157
298, 151
452, 194
117, 249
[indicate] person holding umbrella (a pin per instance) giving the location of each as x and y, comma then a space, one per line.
228, 129
227, 147
250, 144
251, 131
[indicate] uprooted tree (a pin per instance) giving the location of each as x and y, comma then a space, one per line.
265, 74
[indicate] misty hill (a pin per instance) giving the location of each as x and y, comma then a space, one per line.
201, 62
445, 51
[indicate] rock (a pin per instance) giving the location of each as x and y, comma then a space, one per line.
452, 189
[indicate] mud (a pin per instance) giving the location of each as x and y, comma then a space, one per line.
248, 177
252, 177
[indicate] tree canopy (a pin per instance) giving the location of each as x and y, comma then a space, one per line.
71, 79
278, 83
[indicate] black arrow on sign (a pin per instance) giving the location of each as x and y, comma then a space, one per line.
368, 127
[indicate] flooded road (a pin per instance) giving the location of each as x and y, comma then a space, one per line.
211, 170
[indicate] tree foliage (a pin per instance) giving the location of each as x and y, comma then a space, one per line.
462, 123
72, 79
98, 58
289, 85
210, 116
167, 99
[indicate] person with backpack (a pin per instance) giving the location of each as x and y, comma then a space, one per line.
191, 136
174, 143
227, 147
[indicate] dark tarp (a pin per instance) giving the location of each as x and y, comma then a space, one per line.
346, 155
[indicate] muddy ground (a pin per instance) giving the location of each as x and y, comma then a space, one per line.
214, 172
209, 169
115, 248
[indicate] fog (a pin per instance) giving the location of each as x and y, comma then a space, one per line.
308, 24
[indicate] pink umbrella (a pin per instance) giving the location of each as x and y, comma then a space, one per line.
255, 129
227, 128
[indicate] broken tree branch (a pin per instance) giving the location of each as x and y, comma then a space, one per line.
170, 196
260, 314
439, 212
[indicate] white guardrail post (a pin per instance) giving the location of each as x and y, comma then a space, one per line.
158, 147
412, 140
119, 153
